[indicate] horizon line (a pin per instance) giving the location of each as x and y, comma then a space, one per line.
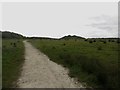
55, 37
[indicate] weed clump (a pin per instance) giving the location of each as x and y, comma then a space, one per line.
53, 47
14, 44
99, 48
11, 43
64, 44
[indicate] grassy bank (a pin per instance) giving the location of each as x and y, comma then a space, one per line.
95, 63
0, 62
12, 59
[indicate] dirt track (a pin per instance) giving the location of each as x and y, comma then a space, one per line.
39, 72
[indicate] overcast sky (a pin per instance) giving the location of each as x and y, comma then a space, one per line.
52, 19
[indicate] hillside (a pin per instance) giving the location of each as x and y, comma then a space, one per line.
11, 35
72, 37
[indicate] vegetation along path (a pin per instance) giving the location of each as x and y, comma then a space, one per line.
39, 72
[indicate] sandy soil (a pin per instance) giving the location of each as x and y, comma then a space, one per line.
39, 72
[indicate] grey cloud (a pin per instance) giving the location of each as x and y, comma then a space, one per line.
105, 26
105, 22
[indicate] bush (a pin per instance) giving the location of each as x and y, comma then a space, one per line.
118, 41
90, 41
109, 40
86, 40
113, 41
94, 40
104, 42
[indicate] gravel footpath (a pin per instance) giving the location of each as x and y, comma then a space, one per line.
39, 72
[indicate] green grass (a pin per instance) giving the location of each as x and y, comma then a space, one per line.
93, 63
12, 59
